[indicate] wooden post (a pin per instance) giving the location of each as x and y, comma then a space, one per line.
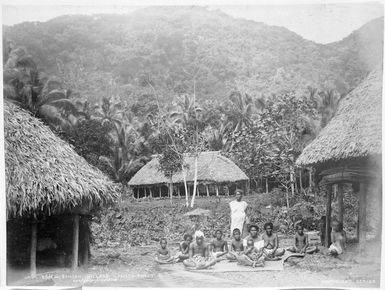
216, 189
340, 204
207, 190
160, 191
362, 214
86, 243
328, 215
33, 247
151, 192
197, 189
178, 191
75, 243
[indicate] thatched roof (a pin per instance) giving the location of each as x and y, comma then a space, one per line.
355, 130
43, 174
212, 167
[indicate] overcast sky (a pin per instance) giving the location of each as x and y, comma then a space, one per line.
322, 23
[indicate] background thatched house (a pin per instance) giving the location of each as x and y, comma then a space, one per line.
349, 150
215, 173
49, 189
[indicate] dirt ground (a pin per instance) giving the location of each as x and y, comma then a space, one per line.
135, 267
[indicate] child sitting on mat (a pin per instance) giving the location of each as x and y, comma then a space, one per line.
252, 256
184, 247
163, 255
219, 246
236, 246
301, 242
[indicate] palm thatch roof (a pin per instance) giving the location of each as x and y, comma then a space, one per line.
355, 130
43, 174
212, 167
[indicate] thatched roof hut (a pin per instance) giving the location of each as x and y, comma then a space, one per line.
213, 168
355, 130
47, 183
349, 149
43, 173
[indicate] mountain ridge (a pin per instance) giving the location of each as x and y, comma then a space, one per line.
166, 47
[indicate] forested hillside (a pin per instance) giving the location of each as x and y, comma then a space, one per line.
169, 49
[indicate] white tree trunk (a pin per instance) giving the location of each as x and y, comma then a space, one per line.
171, 189
292, 181
185, 184
195, 181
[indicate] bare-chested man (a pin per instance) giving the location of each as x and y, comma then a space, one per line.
199, 254
270, 243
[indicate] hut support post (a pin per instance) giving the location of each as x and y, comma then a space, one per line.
75, 243
86, 243
178, 191
33, 248
362, 214
150, 192
328, 215
340, 204
216, 189
207, 190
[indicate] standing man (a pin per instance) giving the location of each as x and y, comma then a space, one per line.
238, 212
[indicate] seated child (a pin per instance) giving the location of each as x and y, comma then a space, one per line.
236, 246
219, 246
163, 255
184, 247
252, 256
301, 242
270, 246
338, 239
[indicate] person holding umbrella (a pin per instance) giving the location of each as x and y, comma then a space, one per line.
238, 209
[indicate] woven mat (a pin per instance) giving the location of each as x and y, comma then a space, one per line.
226, 266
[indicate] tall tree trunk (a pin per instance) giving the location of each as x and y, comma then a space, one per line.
195, 180
300, 181
185, 184
292, 181
287, 198
171, 189
267, 185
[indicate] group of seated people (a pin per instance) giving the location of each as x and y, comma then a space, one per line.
250, 251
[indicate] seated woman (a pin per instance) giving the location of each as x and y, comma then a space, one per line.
253, 234
270, 246
163, 255
338, 239
199, 254
251, 256
301, 242
184, 247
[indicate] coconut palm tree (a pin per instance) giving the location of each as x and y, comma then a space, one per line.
327, 104
32, 90
241, 110
187, 112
